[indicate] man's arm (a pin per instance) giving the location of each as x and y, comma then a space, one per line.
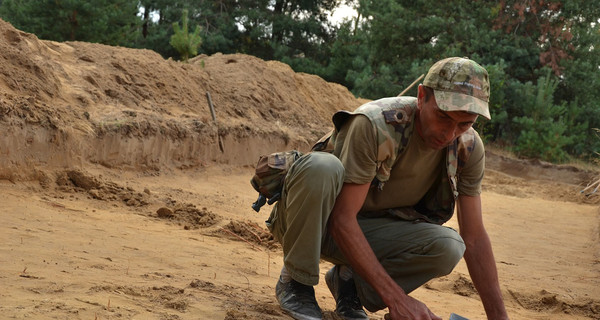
349, 238
479, 256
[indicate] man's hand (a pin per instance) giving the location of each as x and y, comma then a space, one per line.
410, 309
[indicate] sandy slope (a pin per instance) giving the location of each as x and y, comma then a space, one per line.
118, 202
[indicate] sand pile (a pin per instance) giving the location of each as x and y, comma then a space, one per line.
72, 103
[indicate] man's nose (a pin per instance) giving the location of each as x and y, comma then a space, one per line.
450, 132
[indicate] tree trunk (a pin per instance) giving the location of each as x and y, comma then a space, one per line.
278, 11
146, 19
74, 25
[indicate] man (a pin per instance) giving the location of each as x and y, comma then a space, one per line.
374, 205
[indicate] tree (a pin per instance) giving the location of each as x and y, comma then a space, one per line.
294, 31
516, 40
567, 38
219, 31
579, 84
542, 21
543, 127
183, 41
111, 22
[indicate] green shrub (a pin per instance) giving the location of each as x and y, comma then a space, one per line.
544, 129
184, 42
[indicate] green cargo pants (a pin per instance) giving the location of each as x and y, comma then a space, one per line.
412, 253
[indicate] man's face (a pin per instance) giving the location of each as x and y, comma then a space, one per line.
439, 128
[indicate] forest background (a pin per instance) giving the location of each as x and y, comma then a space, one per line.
542, 55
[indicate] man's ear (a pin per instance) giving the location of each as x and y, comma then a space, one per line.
420, 95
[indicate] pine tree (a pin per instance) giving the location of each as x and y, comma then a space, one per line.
184, 42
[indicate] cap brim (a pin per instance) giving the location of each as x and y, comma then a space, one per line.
452, 101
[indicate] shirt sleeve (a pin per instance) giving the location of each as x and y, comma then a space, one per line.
471, 176
355, 146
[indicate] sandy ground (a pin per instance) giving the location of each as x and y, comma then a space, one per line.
123, 198
66, 255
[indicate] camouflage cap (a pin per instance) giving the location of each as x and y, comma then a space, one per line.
460, 84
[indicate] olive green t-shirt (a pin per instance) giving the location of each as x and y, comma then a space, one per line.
411, 176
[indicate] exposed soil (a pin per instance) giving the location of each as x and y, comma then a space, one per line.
123, 198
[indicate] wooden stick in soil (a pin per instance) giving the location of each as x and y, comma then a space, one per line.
591, 185
214, 117
411, 85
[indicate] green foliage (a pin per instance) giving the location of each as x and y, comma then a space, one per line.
183, 41
346, 56
218, 31
111, 22
516, 44
543, 128
294, 31
495, 128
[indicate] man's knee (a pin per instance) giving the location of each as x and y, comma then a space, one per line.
449, 249
319, 167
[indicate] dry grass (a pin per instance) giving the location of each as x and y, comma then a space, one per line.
597, 163
594, 185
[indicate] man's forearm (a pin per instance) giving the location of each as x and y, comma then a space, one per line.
482, 268
349, 238
479, 256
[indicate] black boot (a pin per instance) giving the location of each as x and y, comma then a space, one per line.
347, 303
298, 300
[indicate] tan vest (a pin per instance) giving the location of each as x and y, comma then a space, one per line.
393, 124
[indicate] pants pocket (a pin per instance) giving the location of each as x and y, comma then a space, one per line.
274, 224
